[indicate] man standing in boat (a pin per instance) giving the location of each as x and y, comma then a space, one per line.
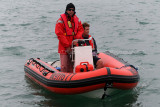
68, 27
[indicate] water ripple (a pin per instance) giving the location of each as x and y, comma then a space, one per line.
143, 23
13, 50
140, 53
157, 42
23, 24
128, 52
2, 25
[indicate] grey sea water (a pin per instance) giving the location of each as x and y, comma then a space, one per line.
127, 28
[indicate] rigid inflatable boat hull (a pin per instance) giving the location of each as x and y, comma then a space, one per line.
115, 74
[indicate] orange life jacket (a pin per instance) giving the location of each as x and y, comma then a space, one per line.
69, 30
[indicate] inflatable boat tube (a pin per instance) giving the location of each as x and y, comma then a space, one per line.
116, 73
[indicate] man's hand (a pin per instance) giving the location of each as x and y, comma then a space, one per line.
75, 42
68, 50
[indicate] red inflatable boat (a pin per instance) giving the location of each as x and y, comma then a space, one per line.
116, 73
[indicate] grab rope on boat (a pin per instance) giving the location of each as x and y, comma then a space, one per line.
39, 65
130, 66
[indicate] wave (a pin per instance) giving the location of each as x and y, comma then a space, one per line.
129, 52
13, 51
143, 23
139, 53
2, 25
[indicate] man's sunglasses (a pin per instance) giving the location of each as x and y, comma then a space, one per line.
70, 9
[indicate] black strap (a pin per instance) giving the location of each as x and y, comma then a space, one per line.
86, 67
108, 71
